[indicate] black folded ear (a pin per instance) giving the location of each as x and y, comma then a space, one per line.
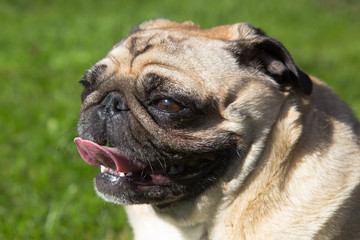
270, 56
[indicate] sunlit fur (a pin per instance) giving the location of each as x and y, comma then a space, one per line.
297, 175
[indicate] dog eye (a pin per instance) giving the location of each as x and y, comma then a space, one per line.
87, 90
168, 105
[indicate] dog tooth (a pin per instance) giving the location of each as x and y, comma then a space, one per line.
122, 174
102, 168
129, 174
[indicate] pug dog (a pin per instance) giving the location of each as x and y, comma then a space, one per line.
217, 134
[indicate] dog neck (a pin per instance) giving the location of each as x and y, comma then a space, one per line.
163, 227
254, 192
295, 179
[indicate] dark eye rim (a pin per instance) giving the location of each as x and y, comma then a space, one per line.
84, 95
88, 89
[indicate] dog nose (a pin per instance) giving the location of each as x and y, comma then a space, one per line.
111, 105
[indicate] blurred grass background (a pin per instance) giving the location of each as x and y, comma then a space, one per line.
46, 190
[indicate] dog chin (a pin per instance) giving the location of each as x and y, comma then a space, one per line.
122, 190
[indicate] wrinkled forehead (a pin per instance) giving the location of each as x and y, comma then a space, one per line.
175, 50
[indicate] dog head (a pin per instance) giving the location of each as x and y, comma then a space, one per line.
174, 108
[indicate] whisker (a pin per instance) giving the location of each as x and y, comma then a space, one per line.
152, 170
142, 175
161, 164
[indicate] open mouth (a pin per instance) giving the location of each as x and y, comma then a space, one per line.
120, 168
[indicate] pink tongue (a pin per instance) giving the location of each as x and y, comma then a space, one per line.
110, 157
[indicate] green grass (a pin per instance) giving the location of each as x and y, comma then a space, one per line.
46, 190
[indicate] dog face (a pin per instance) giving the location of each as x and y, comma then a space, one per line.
172, 110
